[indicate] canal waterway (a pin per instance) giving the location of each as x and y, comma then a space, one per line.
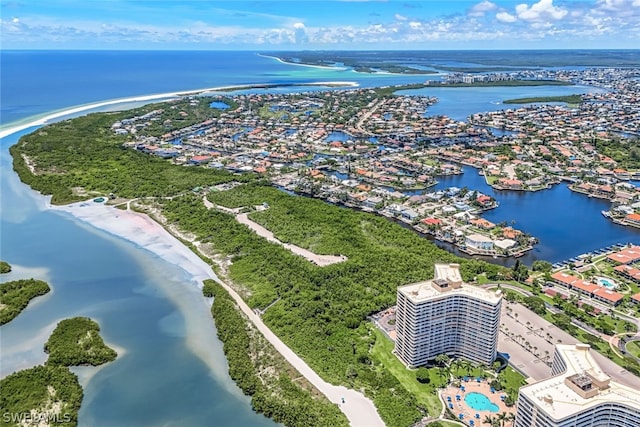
566, 223
152, 311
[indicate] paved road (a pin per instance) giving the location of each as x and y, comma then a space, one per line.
536, 335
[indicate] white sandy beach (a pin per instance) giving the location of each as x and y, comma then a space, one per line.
148, 234
324, 67
79, 109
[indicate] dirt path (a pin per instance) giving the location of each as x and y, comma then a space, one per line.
150, 235
321, 260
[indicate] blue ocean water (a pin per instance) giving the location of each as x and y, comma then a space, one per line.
170, 370
154, 311
35, 82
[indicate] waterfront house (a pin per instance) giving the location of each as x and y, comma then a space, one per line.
479, 242
633, 219
511, 184
505, 244
432, 222
482, 223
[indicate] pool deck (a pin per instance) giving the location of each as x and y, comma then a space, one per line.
460, 407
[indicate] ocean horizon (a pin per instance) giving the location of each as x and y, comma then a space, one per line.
142, 303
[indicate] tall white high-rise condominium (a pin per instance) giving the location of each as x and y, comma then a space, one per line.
446, 316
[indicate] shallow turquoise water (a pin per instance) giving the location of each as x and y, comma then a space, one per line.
170, 370
480, 402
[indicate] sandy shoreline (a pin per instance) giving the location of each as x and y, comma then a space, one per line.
323, 67
11, 129
149, 235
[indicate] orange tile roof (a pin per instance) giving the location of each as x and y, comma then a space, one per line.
565, 278
626, 256
434, 221
608, 295
628, 270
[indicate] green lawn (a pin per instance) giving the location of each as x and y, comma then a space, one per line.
425, 393
511, 379
634, 348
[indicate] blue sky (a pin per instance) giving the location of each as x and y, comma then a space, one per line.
328, 24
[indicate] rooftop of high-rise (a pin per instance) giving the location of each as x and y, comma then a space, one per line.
582, 386
447, 281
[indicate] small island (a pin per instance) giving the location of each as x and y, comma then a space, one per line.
5, 267
15, 296
569, 99
43, 395
77, 341
50, 394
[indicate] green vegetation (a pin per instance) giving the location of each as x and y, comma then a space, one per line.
83, 156
280, 398
392, 90
15, 296
422, 376
625, 151
5, 267
540, 265
52, 391
504, 83
633, 347
569, 99
77, 341
424, 393
322, 310
509, 380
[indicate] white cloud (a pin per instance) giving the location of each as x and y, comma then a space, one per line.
481, 8
300, 33
541, 11
505, 17
572, 24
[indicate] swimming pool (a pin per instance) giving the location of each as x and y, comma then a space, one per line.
607, 283
480, 402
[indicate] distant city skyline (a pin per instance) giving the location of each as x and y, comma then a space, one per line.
329, 24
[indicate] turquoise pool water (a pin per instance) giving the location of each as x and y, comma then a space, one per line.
480, 402
607, 283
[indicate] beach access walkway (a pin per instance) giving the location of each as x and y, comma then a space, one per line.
150, 235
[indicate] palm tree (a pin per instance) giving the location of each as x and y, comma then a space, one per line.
502, 416
488, 419
467, 366
442, 360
